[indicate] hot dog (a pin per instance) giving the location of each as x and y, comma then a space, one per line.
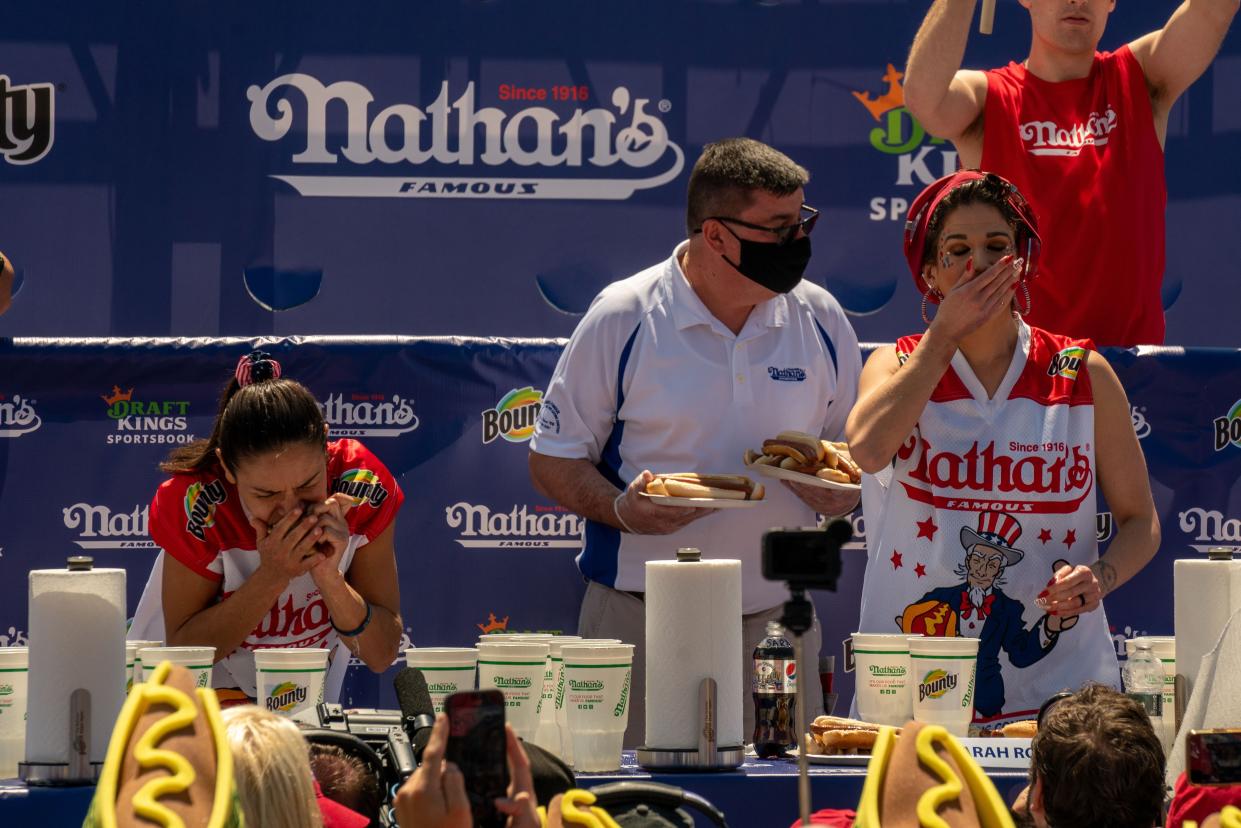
710, 486
805, 454
838, 735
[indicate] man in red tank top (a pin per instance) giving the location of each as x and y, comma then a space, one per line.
1081, 134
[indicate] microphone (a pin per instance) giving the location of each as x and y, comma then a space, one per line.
417, 710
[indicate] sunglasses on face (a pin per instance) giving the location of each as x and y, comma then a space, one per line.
784, 234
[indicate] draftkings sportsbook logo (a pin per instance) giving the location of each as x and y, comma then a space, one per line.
27, 120
543, 527
369, 415
514, 416
1228, 428
101, 528
361, 486
200, 503
408, 142
17, 414
146, 421
1212, 527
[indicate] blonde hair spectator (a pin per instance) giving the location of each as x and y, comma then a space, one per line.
271, 761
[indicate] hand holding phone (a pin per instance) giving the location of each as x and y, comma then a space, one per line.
476, 745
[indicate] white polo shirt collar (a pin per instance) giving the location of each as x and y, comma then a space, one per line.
689, 310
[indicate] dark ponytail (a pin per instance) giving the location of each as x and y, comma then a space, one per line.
258, 412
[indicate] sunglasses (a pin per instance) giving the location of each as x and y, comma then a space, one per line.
1050, 703
784, 234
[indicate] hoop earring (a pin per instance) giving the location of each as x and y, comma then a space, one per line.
1018, 310
926, 298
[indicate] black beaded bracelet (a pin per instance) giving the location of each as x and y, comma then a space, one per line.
360, 628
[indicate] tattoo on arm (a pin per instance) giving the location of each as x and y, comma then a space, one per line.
1106, 573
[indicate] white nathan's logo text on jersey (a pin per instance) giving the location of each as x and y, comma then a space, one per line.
1050, 138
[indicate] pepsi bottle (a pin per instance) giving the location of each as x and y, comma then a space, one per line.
775, 694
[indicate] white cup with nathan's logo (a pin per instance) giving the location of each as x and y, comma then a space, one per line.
516, 669
133, 672
941, 681
562, 713
547, 733
290, 681
14, 669
881, 669
597, 681
198, 660
447, 670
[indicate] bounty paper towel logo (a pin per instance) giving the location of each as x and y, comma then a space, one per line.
200, 503
361, 486
453, 148
935, 684
543, 527
17, 414
102, 528
1066, 363
285, 696
514, 416
27, 120
1227, 428
369, 415
140, 421
920, 157
1212, 527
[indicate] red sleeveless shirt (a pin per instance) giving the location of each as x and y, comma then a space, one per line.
1085, 153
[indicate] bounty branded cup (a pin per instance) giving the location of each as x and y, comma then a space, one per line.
14, 662
133, 672
881, 669
547, 733
290, 681
516, 669
941, 681
596, 699
198, 660
447, 670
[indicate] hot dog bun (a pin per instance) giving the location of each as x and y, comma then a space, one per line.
1025, 729
807, 454
706, 486
837, 735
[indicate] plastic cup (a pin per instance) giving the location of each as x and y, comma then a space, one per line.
132, 671
447, 670
516, 669
881, 666
562, 714
198, 660
14, 669
942, 681
290, 681
547, 733
597, 684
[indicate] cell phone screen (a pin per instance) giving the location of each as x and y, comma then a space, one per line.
476, 746
1213, 757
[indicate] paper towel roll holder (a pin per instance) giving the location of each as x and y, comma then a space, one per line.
708, 755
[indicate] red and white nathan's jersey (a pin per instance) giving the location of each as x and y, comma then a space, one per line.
198, 519
982, 503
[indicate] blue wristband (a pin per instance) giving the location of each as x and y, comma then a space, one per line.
354, 633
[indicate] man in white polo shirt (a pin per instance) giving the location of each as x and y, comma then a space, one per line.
684, 366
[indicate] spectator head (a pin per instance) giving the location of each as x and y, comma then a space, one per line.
272, 767
346, 779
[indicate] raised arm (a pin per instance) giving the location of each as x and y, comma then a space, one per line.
1175, 56
945, 98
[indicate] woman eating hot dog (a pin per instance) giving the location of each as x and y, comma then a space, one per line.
985, 443
272, 536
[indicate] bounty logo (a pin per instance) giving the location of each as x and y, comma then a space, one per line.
418, 149
935, 684
145, 422
27, 120
101, 528
361, 486
1066, 363
17, 414
369, 415
514, 416
285, 696
1211, 526
899, 134
544, 527
200, 503
1227, 428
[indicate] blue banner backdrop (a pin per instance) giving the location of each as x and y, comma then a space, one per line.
84, 423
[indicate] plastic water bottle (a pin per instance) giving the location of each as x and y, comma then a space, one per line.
1143, 677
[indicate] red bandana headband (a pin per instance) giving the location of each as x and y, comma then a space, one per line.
256, 366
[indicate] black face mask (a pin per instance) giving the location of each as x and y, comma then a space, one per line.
777, 267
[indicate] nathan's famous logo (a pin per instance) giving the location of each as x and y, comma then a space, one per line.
1227, 428
1049, 138
514, 416
361, 486
619, 710
1211, 526
935, 684
899, 134
101, 528
285, 696
17, 414
544, 527
442, 687
200, 503
6, 690
1066, 363
368, 415
585, 686
456, 133
1028, 475
512, 682
146, 421
882, 670
27, 120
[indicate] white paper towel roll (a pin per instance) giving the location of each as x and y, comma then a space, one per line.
77, 640
693, 630
1207, 593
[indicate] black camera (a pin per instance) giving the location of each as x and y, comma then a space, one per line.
805, 558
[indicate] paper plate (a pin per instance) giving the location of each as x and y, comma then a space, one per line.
701, 502
800, 477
